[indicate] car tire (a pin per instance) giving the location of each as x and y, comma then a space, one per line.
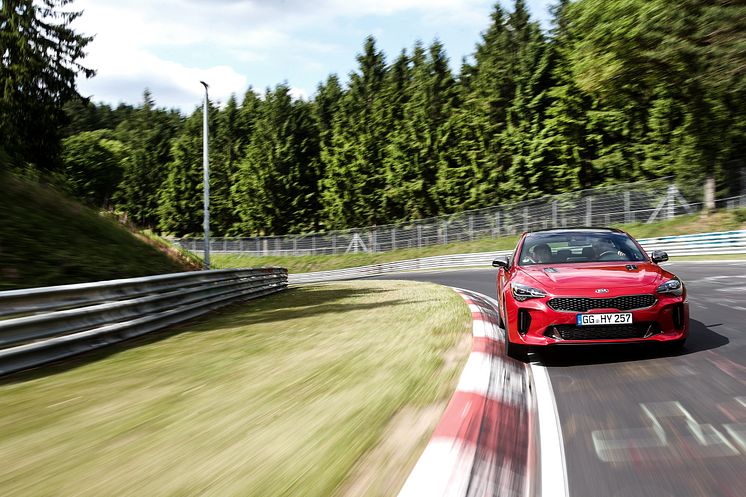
500, 321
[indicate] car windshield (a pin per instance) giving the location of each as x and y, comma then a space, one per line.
578, 247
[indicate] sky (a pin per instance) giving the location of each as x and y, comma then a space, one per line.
168, 46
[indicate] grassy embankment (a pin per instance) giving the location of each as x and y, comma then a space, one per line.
48, 239
718, 221
317, 391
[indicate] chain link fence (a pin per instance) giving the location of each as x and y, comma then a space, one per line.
643, 201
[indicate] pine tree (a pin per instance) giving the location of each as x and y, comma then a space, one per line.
325, 105
354, 179
41, 58
562, 146
181, 198
226, 152
527, 175
417, 142
276, 191
397, 90
147, 136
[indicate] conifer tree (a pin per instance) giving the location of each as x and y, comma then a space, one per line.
354, 179
325, 105
562, 146
225, 153
41, 56
418, 142
147, 136
181, 202
276, 191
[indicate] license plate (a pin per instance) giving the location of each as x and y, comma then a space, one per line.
610, 318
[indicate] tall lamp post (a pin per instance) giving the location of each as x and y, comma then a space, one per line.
206, 171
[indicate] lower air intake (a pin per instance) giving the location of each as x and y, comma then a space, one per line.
602, 332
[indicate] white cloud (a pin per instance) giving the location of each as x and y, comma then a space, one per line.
171, 44
124, 72
389, 7
298, 93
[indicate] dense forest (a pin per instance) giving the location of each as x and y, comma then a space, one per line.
615, 91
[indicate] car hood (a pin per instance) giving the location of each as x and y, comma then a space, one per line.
617, 278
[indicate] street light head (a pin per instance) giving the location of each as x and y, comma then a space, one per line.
204, 84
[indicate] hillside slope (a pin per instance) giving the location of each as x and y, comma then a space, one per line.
48, 239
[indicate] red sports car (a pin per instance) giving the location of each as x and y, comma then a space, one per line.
587, 286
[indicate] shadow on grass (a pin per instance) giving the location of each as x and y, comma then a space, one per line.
296, 303
701, 338
306, 301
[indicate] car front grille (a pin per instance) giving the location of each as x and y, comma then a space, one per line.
584, 304
602, 332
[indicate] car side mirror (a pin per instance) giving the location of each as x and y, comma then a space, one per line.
501, 262
659, 256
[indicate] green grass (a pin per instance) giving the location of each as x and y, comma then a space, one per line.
48, 239
275, 397
720, 257
718, 221
306, 263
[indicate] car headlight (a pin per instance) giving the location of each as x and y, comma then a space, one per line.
671, 287
524, 292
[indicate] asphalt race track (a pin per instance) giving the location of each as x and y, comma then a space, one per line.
638, 421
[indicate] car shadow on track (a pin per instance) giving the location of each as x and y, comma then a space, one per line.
701, 338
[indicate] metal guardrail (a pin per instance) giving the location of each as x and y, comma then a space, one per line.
435, 262
39, 325
725, 242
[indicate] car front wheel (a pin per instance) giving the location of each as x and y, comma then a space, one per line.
517, 351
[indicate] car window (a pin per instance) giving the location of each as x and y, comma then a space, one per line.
578, 247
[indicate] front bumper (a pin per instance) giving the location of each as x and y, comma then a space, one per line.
534, 323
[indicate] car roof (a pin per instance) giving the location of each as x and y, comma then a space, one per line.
575, 229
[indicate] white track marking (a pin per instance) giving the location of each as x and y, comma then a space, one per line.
483, 371
485, 329
551, 445
444, 468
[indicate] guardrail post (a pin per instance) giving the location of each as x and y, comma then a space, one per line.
419, 236
627, 207
497, 222
471, 227
589, 210
525, 219
671, 207
445, 233
334, 244
393, 238
554, 213
709, 193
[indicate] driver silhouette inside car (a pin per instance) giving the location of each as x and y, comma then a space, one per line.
604, 248
541, 254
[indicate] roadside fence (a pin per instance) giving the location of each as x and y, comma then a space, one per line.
644, 201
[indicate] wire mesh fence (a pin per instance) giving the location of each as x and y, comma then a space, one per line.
643, 201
